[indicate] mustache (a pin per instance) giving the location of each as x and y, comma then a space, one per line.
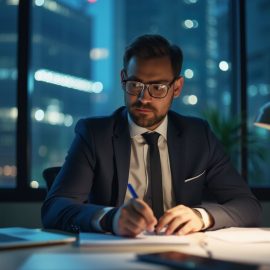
139, 105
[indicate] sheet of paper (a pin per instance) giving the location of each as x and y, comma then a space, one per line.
241, 235
143, 238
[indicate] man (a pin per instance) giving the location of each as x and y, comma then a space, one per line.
90, 192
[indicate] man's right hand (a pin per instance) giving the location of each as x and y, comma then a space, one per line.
133, 218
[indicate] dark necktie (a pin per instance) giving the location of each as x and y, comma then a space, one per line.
155, 173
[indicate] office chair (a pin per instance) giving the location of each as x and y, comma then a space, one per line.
49, 175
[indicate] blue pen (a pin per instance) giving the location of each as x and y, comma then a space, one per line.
132, 191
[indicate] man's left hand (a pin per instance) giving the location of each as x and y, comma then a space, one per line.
180, 220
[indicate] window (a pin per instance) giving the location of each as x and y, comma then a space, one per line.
8, 93
75, 58
258, 88
93, 56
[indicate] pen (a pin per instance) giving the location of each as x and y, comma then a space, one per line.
132, 191
135, 196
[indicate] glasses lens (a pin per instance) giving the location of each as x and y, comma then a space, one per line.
134, 88
158, 90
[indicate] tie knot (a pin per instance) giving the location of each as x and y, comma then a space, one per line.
151, 138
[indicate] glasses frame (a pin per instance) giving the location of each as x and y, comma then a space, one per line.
147, 86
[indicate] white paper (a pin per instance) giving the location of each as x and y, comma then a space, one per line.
242, 235
142, 239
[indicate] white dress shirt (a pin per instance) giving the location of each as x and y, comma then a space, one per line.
138, 168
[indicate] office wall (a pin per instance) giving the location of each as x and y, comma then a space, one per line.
28, 214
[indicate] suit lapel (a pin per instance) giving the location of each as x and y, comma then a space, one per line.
121, 144
177, 155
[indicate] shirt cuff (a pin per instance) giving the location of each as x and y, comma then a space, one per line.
95, 222
205, 217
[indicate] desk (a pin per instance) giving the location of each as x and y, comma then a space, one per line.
71, 256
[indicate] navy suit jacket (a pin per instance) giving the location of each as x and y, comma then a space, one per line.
96, 169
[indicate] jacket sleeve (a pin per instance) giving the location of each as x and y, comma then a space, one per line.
236, 205
66, 207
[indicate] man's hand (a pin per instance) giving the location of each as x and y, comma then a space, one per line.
180, 220
133, 218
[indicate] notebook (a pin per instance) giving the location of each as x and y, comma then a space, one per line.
12, 237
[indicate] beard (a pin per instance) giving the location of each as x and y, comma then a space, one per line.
144, 120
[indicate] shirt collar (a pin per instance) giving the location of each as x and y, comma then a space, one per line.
136, 130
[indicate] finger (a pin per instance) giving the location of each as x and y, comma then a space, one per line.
146, 212
166, 219
130, 229
126, 226
186, 229
129, 214
132, 220
175, 225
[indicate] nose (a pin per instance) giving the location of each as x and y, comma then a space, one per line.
144, 95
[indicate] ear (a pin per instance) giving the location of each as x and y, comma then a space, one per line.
178, 85
123, 75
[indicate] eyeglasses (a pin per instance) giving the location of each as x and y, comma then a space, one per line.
155, 90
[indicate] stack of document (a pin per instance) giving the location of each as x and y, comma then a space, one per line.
141, 239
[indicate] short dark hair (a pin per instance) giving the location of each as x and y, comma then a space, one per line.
153, 46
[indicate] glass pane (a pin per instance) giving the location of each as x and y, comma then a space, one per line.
258, 56
203, 30
77, 58
8, 96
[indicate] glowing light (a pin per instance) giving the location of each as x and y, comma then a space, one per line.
188, 23
191, 1
7, 73
190, 100
55, 118
13, 113
191, 24
223, 65
263, 89
252, 90
13, 2
68, 81
189, 73
193, 100
7, 170
34, 184
99, 53
39, 115
52, 116
68, 121
39, 3
97, 87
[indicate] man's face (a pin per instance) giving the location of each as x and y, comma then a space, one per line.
147, 111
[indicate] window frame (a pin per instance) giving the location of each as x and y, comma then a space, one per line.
22, 191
